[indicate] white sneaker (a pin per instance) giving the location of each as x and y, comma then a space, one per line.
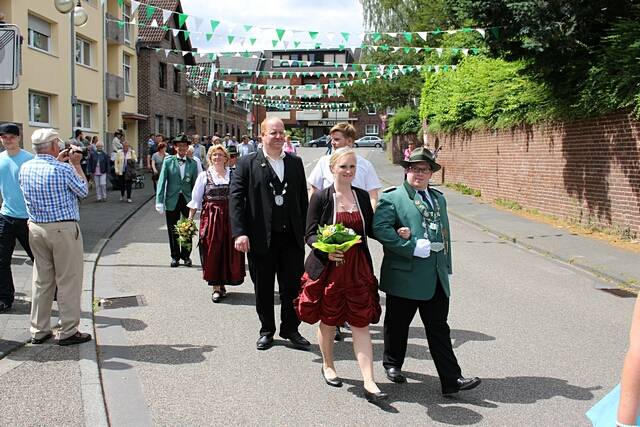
129, 200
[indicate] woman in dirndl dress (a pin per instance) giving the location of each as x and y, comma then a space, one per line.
222, 265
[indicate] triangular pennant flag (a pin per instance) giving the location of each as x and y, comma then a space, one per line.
154, 23
465, 52
423, 35
377, 37
134, 6
313, 34
274, 42
166, 14
296, 44
120, 24
394, 35
150, 11
252, 41
186, 35
214, 25
407, 49
230, 39
186, 52
247, 28
481, 31
286, 44
167, 52
345, 36
451, 31
175, 32
209, 36
408, 37
280, 33
439, 51
182, 18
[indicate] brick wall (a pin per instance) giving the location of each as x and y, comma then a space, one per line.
587, 171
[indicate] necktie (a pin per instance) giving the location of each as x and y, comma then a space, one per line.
423, 194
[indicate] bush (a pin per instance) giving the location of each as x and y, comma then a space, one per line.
406, 121
484, 93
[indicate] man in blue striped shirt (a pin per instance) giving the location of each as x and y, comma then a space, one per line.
51, 188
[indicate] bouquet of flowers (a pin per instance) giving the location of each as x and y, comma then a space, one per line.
186, 229
335, 237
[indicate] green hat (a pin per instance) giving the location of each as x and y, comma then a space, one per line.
232, 150
181, 138
421, 154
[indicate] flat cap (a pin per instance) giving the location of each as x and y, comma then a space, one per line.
11, 128
44, 136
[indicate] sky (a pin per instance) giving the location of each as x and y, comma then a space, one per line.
329, 17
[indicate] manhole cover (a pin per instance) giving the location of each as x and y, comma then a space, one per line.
123, 302
619, 292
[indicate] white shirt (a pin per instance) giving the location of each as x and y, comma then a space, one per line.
182, 165
198, 165
197, 194
366, 177
276, 164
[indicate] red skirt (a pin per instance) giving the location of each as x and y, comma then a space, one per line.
222, 264
345, 293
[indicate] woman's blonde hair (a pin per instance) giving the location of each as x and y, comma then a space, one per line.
215, 148
341, 152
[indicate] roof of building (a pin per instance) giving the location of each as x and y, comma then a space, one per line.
152, 34
198, 76
241, 62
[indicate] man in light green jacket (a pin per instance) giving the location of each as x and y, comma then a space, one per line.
411, 223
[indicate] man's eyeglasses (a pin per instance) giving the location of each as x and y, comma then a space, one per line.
232, 156
418, 170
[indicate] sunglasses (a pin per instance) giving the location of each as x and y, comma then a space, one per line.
233, 156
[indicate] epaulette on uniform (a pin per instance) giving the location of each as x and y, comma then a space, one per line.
389, 189
436, 190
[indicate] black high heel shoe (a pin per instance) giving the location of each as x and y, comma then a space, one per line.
375, 397
333, 382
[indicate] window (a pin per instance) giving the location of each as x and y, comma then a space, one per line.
158, 124
39, 107
169, 126
371, 129
126, 17
83, 51
371, 111
162, 75
39, 34
176, 80
82, 115
179, 126
278, 60
126, 73
338, 58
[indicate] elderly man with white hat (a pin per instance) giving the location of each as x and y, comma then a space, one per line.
52, 183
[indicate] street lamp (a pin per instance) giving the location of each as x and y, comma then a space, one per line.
78, 17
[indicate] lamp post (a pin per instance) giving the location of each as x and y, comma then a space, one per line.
78, 18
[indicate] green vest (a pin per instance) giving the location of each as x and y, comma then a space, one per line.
402, 274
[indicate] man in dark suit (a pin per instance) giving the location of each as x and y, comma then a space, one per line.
175, 183
268, 206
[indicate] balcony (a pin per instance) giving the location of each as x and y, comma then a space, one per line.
114, 34
115, 87
278, 92
335, 92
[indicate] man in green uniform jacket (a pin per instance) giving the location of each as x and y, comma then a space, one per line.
177, 178
411, 223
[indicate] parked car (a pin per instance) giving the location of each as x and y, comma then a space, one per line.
368, 141
295, 143
319, 142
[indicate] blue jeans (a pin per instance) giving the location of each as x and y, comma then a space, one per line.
10, 230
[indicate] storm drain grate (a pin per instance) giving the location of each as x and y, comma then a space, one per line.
619, 292
123, 302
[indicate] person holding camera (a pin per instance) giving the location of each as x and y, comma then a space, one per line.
52, 183
125, 166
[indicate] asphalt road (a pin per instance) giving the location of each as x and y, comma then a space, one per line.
546, 344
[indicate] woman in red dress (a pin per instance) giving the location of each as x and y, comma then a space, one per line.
222, 265
340, 287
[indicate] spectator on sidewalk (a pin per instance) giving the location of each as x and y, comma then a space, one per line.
152, 147
98, 166
415, 271
13, 214
191, 155
125, 166
51, 188
246, 147
116, 143
288, 146
409, 149
198, 150
175, 184
156, 163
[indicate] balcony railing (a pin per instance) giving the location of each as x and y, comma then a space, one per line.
115, 87
114, 34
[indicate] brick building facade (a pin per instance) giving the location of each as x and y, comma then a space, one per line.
587, 171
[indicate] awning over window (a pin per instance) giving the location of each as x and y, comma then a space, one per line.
134, 116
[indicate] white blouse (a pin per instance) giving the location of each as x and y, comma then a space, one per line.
197, 194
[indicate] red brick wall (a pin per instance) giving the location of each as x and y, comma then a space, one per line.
587, 171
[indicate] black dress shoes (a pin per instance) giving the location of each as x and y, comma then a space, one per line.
462, 384
395, 375
174, 263
338, 336
297, 340
77, 338
333, 382
264, 342
42, 339
375, 397
187, 262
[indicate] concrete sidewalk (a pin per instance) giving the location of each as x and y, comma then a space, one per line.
59, 371
618, 266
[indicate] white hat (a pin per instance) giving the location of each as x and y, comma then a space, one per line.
44, 136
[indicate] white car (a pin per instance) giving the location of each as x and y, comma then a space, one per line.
368, 141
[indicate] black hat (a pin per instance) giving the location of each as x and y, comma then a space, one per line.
232, 150
11, 128
421, 154
180, 139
